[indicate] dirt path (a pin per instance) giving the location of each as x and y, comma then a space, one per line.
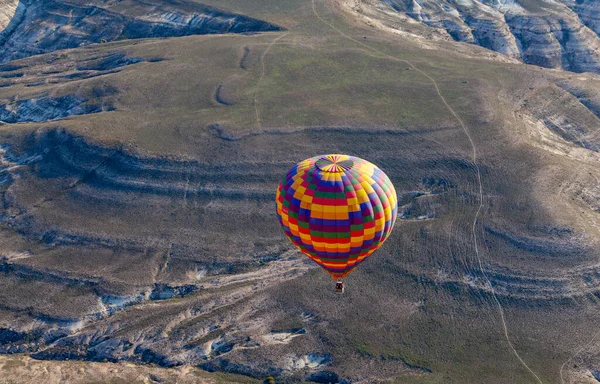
562, 367
474, 159
262, 76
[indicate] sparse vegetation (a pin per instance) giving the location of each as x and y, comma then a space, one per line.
170, 187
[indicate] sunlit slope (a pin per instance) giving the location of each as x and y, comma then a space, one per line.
18, 368
9, 7
148, 218
553, 34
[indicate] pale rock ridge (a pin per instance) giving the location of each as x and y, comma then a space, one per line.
8, 9
560, 34
37, 27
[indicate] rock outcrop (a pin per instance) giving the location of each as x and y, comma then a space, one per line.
8, 8
45, 108
554, 34
38, 27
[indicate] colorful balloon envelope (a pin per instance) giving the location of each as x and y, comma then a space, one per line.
337, 210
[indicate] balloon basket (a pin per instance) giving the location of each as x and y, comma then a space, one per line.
339, 286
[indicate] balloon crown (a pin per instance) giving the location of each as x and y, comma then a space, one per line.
334, 163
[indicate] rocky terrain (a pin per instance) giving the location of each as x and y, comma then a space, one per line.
45, 26
138, 167
552, 34
8, 9
52, 372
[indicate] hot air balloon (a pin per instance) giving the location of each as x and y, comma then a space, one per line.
337, 210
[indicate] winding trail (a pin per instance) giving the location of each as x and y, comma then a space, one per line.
562, 367
477, 169
262, 76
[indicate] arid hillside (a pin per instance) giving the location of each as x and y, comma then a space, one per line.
553, 34
138, 234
